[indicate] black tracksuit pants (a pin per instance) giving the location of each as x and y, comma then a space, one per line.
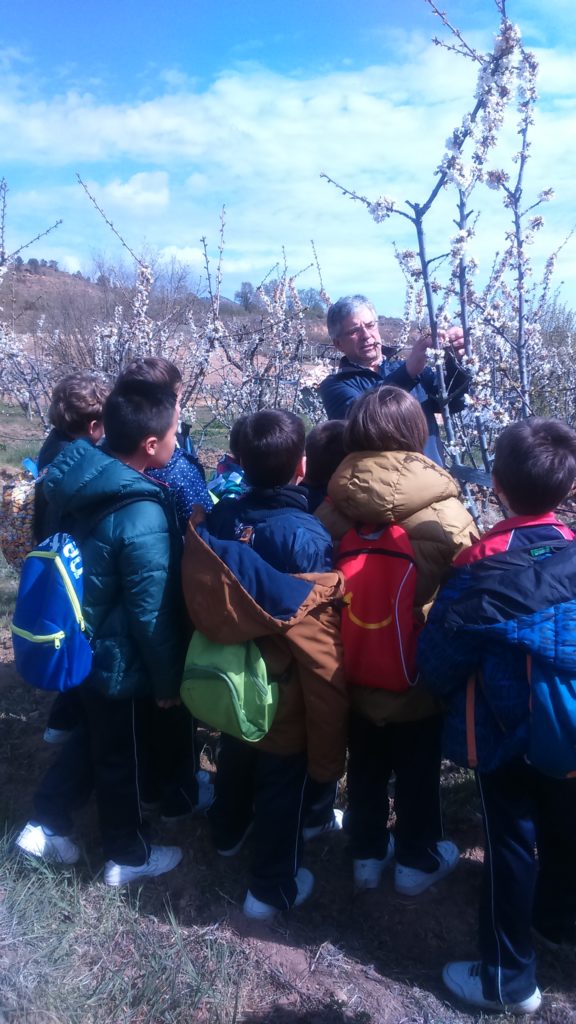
116, 745
253, 785
523, 811
410, 750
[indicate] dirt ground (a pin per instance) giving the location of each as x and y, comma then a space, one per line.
340, 959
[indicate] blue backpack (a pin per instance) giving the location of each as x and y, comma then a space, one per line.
51, 646
51, 649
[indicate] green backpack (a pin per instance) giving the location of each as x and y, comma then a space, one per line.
226, 686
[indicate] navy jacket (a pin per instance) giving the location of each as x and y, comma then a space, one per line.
278, 526
184, 477
340, 389
487, 619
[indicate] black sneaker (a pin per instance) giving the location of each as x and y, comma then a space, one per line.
182, 805
556, 938
231, 849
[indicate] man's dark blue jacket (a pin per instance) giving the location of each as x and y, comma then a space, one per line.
340, 389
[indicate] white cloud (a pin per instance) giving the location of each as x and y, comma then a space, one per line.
143, 192
257, 141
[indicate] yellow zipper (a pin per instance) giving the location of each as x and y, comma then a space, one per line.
69, 588
54, 638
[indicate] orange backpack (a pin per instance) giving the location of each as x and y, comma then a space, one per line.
379, 632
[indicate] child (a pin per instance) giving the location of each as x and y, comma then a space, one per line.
133, 613
75, 412
170, 777
229, 479
324, 453
512, 596
261, 786
385, 480
183, 474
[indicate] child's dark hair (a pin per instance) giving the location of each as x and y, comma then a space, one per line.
385, 419
324, 452
135, 410
235, 435
77, 400
154, 368
535, 464
271, 446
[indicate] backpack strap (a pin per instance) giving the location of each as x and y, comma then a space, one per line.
529, 674
471, 749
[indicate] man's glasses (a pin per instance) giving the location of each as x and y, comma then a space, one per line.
355, 331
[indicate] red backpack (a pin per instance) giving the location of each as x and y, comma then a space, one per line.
379, 633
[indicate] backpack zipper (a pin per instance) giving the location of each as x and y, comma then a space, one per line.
57, 637
72, 596
34, 638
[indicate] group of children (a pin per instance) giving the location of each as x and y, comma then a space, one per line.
261, 566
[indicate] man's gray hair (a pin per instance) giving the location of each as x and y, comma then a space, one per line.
342, 309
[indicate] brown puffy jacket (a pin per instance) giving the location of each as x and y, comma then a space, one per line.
408, 489
304, 653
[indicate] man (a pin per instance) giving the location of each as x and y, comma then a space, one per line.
353, 328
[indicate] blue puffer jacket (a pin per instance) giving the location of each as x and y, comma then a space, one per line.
473, 650
132, 594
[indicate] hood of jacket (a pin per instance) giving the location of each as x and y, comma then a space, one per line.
408, 489
83, 478
232, 594
386, 487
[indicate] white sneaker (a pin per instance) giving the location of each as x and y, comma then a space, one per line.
161, 860
463, 979
56, 735
367, 873
37, 842
256, 910
333, 825
412, 881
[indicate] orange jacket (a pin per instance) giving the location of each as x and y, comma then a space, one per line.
303, 652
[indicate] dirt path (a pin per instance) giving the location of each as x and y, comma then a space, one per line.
374, 958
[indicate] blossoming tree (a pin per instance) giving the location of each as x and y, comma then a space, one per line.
502, 321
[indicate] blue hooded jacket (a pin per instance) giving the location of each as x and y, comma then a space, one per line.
473, 652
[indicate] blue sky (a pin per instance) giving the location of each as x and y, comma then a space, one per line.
169, 111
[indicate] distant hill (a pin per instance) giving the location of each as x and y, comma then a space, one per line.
37, 296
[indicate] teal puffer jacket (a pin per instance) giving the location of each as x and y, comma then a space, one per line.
132, 593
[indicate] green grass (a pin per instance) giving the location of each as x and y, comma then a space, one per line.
77, 953
20, 437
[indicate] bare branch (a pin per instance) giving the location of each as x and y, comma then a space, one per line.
107, 221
